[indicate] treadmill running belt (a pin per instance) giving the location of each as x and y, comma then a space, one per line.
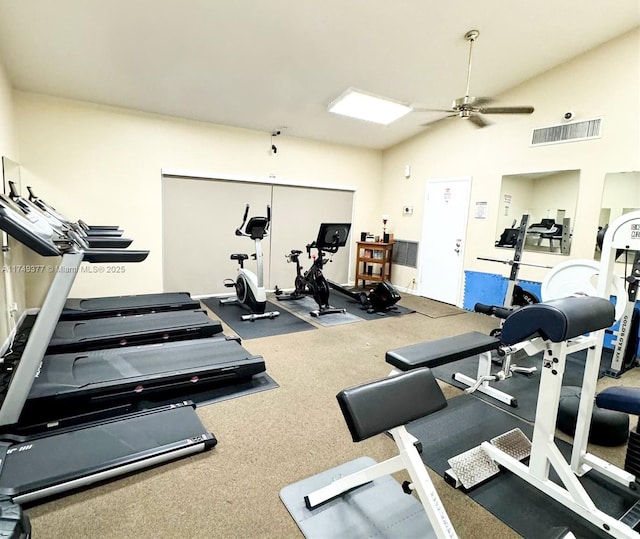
54, 463
80, 309
119, 331
75, 383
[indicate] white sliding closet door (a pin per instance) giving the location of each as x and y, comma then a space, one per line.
298, 212
199, 222
200, 216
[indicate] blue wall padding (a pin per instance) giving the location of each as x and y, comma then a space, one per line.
481, 287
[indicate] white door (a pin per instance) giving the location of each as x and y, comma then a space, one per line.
443, 239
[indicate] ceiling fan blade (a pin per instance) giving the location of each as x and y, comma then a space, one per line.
506, 110
425, 109
479, 101
433, 122
478, 120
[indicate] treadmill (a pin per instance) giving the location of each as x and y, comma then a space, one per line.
60, 225
107, 332
120, 331
38, 465
79, 225
85, 308
83, 382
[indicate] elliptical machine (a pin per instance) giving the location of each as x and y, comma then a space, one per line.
313, 282
250, 292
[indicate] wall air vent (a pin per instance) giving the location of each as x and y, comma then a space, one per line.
569, 132
405, 253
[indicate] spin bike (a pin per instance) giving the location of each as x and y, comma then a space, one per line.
250, 292
313, 282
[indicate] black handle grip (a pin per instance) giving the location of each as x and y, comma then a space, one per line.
13, 192
492, 310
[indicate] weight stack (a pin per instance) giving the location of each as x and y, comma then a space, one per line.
632, 460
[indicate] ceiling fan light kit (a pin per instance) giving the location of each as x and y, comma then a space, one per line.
469, 107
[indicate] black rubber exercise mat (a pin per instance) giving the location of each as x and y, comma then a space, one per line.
231, 315
464, 424
353, 307
523, 387
221, 391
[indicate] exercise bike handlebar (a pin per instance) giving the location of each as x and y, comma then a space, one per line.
240, 230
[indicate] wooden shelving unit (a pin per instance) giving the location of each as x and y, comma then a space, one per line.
373, 262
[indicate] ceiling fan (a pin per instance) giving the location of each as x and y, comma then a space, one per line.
472, 108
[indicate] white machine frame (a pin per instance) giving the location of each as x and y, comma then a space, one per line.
408, 459
253, 283
624, 233
544, 451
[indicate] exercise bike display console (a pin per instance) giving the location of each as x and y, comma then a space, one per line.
312, 282
250, 291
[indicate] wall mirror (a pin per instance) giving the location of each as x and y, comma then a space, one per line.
10, 172
620, 195
549, 199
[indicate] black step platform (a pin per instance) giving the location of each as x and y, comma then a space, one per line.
86, 308
115, 332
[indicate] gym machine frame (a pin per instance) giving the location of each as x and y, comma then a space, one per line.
509, 449
484, 377
75, 465
249, 286
312, 282
388, 405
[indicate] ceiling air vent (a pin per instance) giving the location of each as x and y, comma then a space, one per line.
569, 132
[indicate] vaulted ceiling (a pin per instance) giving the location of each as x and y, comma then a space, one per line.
277, 64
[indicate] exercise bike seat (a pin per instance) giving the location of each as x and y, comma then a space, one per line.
239, 256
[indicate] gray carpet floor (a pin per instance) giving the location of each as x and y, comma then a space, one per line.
271, 439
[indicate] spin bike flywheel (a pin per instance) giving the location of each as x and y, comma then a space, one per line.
320, 289
300, 285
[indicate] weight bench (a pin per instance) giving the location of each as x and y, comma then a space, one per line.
439, 352
388, 405
559, 328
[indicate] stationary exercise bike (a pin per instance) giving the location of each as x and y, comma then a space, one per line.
313, 282
250, 292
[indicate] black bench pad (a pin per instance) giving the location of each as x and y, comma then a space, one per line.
378, 406
435, 353
558, 320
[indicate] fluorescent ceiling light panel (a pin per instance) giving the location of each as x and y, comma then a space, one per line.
372, 108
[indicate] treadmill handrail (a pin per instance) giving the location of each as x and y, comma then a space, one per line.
19, 227
113, 255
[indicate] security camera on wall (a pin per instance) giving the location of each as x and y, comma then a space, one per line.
568, 116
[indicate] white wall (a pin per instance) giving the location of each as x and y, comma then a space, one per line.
604, 82
103, 164
9, 148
